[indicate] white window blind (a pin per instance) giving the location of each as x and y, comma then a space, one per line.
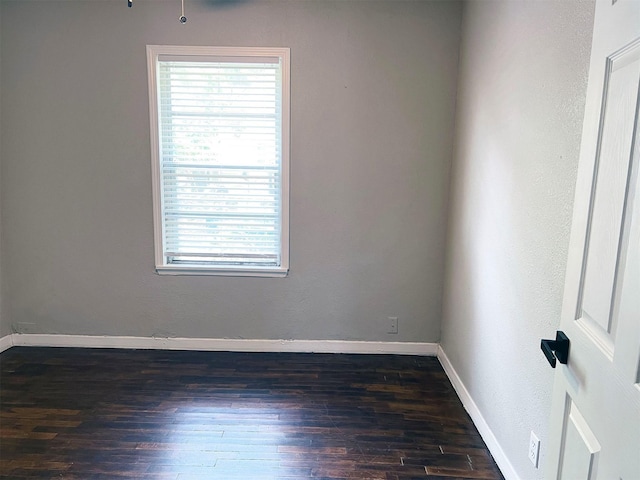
222, 160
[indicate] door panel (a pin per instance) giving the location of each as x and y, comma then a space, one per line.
609, 186
595, 420
580, 448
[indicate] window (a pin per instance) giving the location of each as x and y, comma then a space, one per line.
220, 152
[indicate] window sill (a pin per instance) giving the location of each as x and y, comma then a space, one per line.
223, 272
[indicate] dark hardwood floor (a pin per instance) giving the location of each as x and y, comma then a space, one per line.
110, 414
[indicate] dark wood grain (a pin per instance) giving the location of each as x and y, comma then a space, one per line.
112, 414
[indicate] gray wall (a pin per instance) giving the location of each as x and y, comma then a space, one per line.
373, 92
522, 86
5, 328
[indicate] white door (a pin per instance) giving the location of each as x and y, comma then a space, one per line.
595, 420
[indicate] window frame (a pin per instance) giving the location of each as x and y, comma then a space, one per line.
154, 53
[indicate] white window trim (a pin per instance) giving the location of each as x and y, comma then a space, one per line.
153, 52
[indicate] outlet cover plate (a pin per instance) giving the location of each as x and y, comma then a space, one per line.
534, 449
392, 325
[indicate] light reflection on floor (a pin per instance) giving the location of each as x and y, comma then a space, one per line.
235, 441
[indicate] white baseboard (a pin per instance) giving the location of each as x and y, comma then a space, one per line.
225, 344
6, 342
481, 424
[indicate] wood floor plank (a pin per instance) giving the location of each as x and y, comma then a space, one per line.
111, 414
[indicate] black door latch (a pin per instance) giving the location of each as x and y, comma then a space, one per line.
556, 349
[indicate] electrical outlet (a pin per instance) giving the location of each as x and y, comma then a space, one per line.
534, 449
392, 325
